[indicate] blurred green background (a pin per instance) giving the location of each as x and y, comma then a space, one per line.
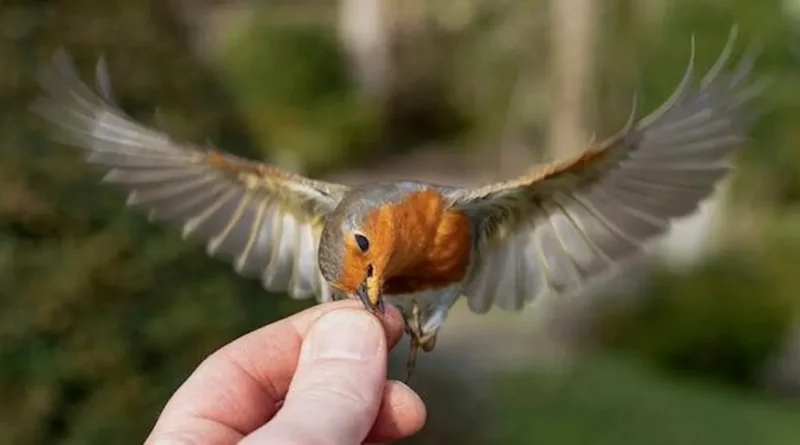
102, 315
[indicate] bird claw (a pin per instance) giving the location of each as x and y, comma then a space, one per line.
417, 340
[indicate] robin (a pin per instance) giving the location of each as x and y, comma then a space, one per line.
422, 246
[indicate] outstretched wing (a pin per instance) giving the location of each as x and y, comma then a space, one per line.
264, 220
553, 230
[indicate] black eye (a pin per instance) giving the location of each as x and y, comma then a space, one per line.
363, 242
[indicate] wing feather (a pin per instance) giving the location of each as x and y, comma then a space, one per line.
550, 255
506, 276
263, 220
574, 221
486, 280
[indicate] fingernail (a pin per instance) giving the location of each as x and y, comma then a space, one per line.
345, 334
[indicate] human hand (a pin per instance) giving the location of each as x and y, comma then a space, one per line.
317, 377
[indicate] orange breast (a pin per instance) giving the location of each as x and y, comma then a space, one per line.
427, 245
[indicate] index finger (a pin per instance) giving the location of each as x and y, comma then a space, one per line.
240, 385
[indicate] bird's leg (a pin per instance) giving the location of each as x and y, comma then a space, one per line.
416, 339
414, 328
412, 359
426, 341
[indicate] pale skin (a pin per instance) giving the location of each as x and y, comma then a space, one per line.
284, 383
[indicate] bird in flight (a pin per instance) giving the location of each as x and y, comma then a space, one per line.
421, 246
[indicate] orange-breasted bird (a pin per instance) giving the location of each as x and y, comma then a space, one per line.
422, 246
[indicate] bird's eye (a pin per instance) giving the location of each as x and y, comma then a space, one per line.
363, 242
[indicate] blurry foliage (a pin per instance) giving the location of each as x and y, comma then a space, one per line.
725, 319
494, 59
103, 314
292, 81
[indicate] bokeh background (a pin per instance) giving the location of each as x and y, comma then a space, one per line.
102, 315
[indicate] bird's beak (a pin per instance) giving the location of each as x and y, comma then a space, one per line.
369, 292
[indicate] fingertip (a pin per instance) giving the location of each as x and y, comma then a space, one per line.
393, 324
402, 414
392, 320
337, 389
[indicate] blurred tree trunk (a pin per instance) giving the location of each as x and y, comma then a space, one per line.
573, 37
366, 35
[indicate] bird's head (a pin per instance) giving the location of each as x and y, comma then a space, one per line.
358, 247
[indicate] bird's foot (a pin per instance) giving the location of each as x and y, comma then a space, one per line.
417, 340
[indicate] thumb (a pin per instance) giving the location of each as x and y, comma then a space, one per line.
337, 389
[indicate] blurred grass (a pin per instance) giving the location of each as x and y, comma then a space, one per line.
612, 400
605, 398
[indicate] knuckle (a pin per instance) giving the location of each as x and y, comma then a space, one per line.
343, 392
